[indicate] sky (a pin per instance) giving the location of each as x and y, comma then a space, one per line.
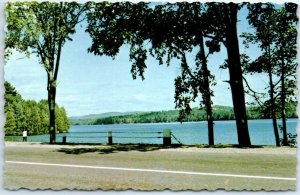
89, 84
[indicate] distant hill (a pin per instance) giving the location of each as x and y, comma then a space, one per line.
219, 113
103, 115
89, 119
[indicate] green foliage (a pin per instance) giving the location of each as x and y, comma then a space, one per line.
291, 111
29, 115
10, 124
62, 122
42, 28
173, 31
275, 34
285, 52
291, 139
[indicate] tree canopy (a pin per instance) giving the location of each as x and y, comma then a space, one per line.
42, 29
275, 34
173, 30
30, 115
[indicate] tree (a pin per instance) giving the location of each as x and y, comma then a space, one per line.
42, 29
276, 36
223, 20
11, 95
62, 122
262, 18
10, 122
32, 117
28, 114
111, 25
286, 52
15, 119
171, 31
185, 33
35, 116
44, 116
235, 73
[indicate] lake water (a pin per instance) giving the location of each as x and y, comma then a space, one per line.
261, 132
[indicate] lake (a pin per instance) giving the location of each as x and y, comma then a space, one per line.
261, 132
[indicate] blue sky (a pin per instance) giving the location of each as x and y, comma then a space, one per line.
89, 84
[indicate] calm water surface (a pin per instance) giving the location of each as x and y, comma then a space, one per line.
261, 132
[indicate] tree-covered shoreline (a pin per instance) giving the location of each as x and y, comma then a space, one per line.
30, 115
220, 113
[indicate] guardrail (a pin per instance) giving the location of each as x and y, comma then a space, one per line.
166, 135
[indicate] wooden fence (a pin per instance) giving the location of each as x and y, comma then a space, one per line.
166, 136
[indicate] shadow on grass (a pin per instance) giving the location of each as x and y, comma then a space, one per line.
227, 146
108, 149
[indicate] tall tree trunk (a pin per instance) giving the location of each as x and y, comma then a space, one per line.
206, 94
283, 115
272, 99
235, 73
273, 114
210, 123
283, 92
51, 104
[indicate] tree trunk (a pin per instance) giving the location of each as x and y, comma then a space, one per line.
206, 94
272, 99
51, 104
273, 114
210, 123
283, 115
283, 93
235, 73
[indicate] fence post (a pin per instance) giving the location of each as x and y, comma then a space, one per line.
64, 138
110, 139
167, 137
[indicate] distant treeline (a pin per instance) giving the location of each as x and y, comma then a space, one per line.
30, 115
219, 113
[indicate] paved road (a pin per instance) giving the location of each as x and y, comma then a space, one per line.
119, 168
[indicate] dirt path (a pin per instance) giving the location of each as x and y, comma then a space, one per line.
264, 162
197, 149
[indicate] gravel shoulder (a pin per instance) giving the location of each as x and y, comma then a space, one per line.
184, 148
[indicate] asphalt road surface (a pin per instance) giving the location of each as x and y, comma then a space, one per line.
38, 166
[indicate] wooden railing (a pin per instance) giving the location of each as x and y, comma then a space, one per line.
166, 135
